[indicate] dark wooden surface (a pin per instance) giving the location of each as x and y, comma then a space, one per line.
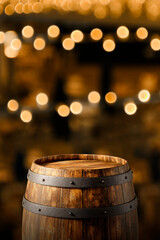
122, 227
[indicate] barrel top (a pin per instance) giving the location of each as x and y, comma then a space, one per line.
81, 164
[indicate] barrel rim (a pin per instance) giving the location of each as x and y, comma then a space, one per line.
61, 157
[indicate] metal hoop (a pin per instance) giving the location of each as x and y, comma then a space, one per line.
84, 182
79, 213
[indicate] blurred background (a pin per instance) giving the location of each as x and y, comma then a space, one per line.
79, 76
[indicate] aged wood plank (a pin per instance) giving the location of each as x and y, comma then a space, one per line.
71, 198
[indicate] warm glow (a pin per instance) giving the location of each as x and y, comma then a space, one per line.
104, 2
9, 36
37, 7
144, 95
109, 45
76, 108
142, 33
155, 44
130, 108
42, 99
1, 9
2, 37
116, 8
111, 97
27, 8
53, 31
85, 4
100, 12
26, 116
152, 9
63, 110
18, 8
122, 32
96, 34
39, 44
10, 53
77, 36
27, 31
16, 44
72, 5
9, 9
94, 97
68, 44
100, 8
13, 105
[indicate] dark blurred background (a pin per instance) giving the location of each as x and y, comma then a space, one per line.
79, 76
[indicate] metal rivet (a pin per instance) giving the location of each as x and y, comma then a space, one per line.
125, 177
71, 182
102, 181
43, 180
70, 213
39, 210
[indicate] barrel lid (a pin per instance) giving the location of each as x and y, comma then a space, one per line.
87, 162
81, 164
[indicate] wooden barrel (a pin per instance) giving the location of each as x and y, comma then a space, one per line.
80, 197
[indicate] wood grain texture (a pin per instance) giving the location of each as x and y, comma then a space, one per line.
81, 164
120, 227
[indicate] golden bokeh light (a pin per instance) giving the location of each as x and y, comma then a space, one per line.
9, 9
37, 7
111, 97
116, 8
2, 37
10, 53
63, 110
39, 43
9, 36
53, 31
27, 8
28, 31
144, 95
12, 105
155, 44
76, 108
85, 5
18, 8
104, 2
99, 8
109, 45
96, 34
73, 5
26, 116
141, 1
42, 99
94, 97
142, 33
77, 36
152, 9
122, 32
68, 44
100, 12
16, 44
130, 108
